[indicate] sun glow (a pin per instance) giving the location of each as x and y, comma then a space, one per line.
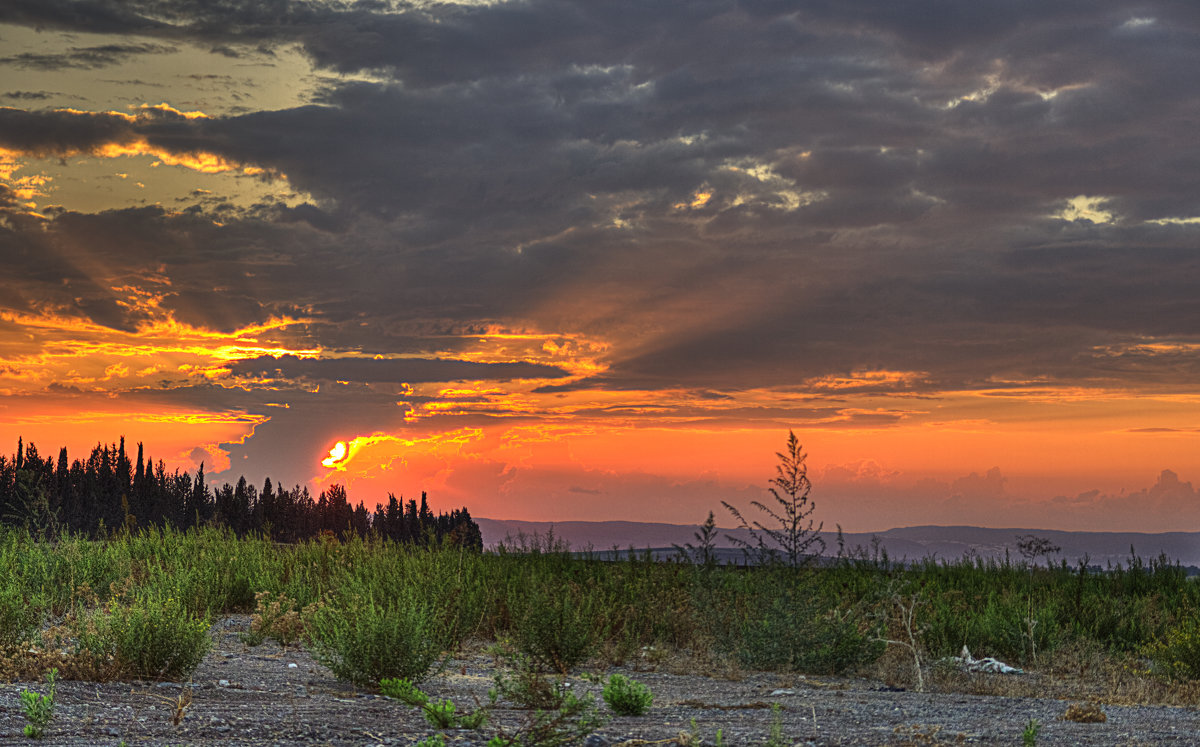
336, 455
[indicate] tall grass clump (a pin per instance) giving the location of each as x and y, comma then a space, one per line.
374, 628
148, 634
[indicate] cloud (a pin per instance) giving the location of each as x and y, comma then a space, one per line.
406, 370
27, 95
674, 212
89, 58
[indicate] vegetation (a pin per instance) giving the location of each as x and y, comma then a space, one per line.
627, 697
385, 614
109, 491
39, 708
792, 535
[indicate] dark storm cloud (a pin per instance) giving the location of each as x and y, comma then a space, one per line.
398, 371
85, 57
879, 184
56, 132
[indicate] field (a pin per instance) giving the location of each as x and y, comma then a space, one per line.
712, 642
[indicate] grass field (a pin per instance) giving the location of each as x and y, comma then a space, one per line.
140, 604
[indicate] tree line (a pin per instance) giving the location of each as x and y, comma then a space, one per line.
109, 491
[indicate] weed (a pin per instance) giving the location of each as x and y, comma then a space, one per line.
276, 617
572, 719
1030, 734
904, 609
38, 708
627, 697
437, 740
441, 714
775, 736
403, 691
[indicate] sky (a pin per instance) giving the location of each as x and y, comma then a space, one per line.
576, 260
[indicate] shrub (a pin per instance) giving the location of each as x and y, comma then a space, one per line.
276, 618
627, 697
1177, 654
789, 628
150, 636
20, 616
363, 641
558, 625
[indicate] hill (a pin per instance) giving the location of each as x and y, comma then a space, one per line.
911, 543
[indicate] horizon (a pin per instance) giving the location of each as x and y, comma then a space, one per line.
561, 261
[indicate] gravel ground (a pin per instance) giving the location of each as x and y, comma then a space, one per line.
268, 696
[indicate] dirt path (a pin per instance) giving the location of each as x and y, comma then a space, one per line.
264, 696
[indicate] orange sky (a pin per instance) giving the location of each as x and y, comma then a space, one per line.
593, 271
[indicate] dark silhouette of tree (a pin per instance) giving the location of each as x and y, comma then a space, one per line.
108, 492
792, 533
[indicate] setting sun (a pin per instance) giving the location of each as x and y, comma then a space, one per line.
336, 455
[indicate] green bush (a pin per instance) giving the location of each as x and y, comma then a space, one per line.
558, 625
627, 697
789, 627
150, 636
20, 616
364, 641
1177, 654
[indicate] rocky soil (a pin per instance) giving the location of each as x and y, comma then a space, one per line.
268, 696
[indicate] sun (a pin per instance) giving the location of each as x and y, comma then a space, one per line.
336, 455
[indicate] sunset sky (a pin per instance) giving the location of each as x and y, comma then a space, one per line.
570, 259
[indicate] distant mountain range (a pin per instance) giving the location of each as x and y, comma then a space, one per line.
911, 543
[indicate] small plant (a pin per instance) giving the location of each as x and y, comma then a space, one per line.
1030, 735
528, 687
403, 691
627, 697
441, 714
558, 624
276, 618
559, 717
437, 740
904, 608
574, 719
38, 708
775, 736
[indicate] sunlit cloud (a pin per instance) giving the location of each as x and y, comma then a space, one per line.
1083, 207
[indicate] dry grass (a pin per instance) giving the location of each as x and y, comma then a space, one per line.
1073, 674
1085, 713
926, 734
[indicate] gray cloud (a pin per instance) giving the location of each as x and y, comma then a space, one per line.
99, 56
407, 371
880, 182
